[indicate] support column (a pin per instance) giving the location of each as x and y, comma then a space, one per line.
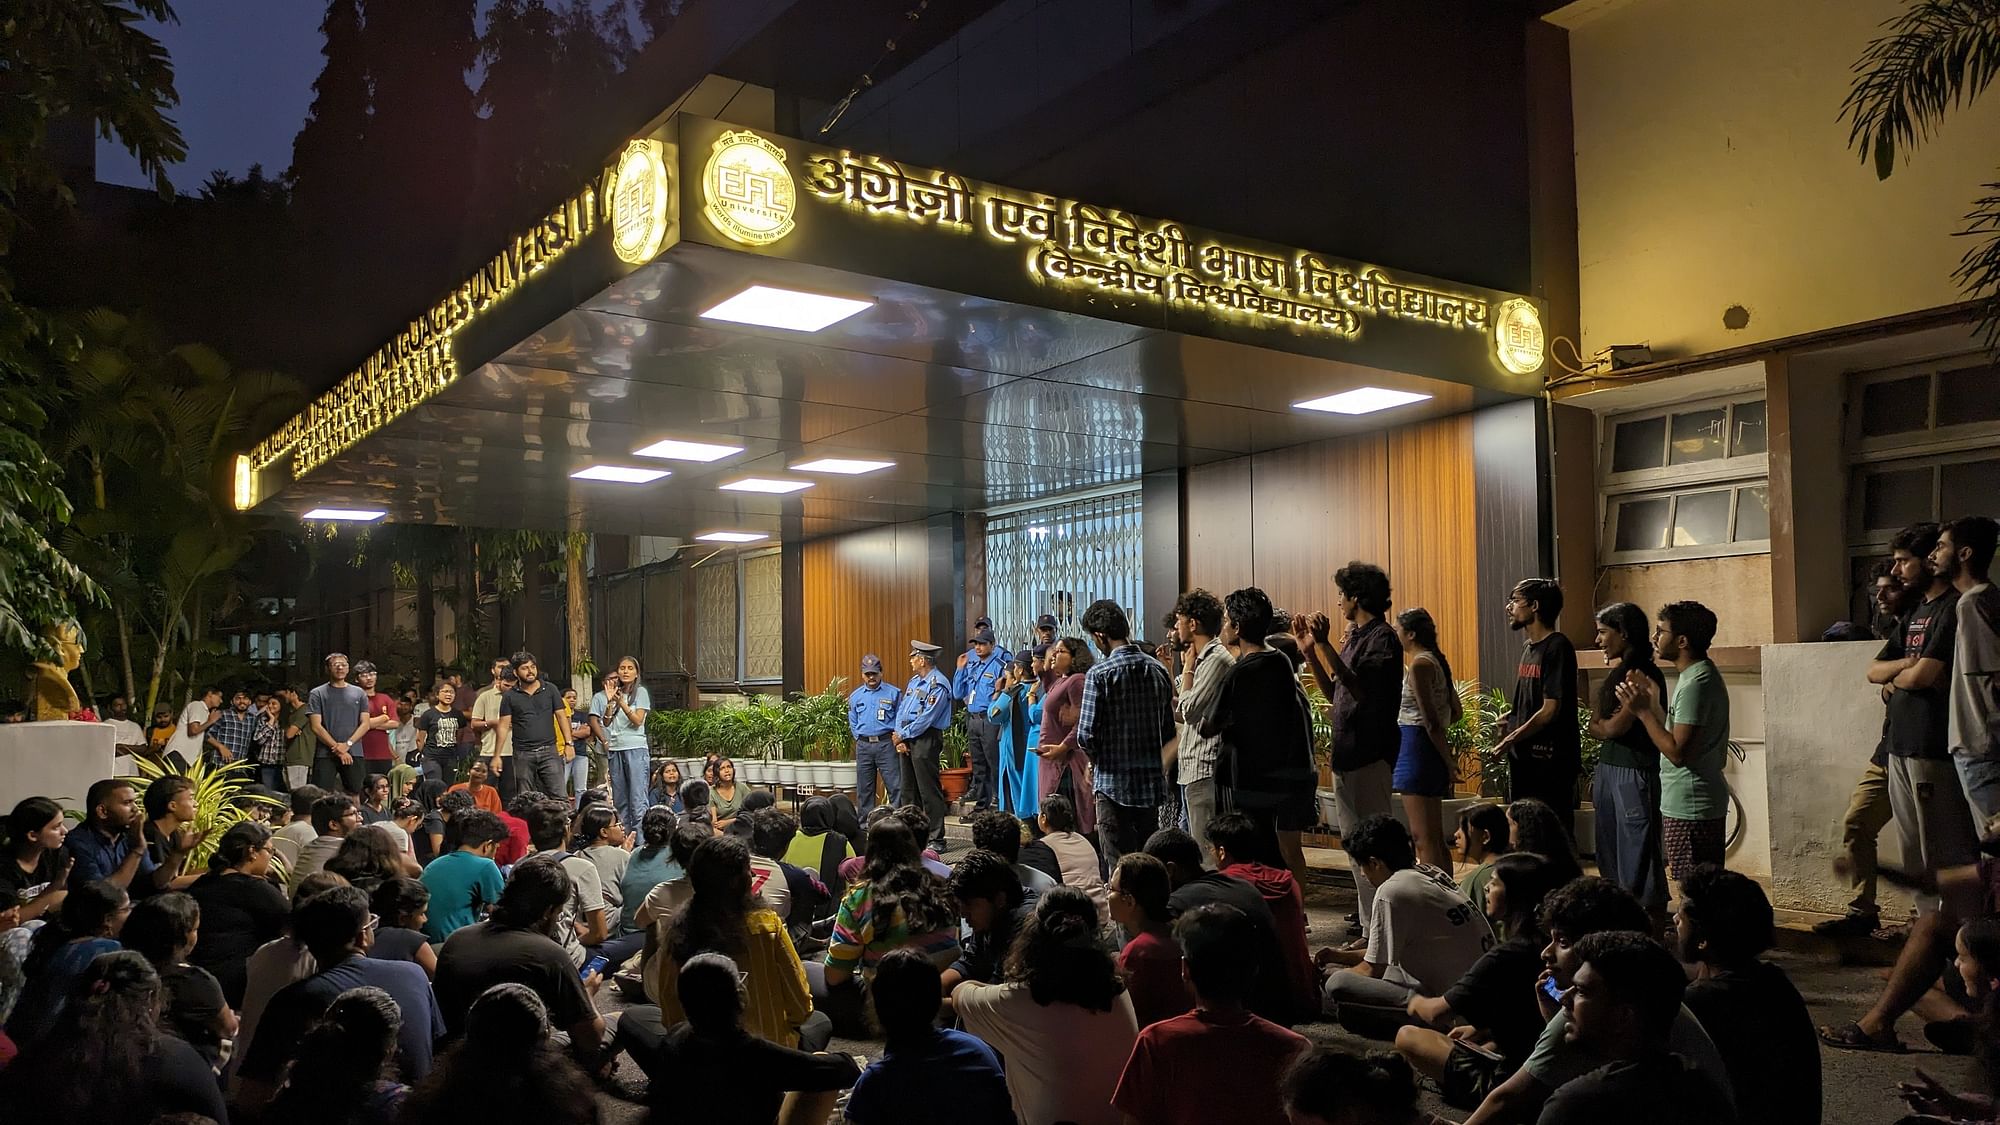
1808, 524
1162, 511
1510, 522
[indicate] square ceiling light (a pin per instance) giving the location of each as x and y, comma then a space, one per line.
350, 515
847, 466
766, 484
769, 307
619, 474
1361, 400
673, 449
731, 536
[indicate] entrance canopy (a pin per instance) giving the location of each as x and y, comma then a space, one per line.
803, 310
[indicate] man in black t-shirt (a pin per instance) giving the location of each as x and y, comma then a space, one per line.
513, 946
1195, 886
1544, 754
528, 717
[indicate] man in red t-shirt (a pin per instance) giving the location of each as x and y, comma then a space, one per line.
381, 720
1218, 1062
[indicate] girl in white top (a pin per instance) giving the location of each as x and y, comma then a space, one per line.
1075, 854
1424, 768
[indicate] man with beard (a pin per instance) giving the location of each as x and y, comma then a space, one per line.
232, 734
528, 724
1543, 751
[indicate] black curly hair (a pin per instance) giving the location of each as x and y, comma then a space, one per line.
1062, 955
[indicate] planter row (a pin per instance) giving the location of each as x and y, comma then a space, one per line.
787, 773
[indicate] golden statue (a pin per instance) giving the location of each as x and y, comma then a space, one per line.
53, 696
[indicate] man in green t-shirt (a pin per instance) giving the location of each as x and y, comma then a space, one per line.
1692, 736
299, 740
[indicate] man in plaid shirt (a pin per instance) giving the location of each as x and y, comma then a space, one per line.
1125, 724
232, 734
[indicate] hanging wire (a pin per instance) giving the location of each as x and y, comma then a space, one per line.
867, 79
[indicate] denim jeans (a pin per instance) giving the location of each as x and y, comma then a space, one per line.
627, 768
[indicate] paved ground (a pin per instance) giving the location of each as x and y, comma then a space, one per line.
1859, 1087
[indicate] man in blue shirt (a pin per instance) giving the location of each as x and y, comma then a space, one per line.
1124, 723
871, 718
974, 686
111, 842
920, 722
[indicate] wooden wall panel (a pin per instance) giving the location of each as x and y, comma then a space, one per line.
1315, 508
1218, 529
868, 591
1430, 560
1509, 527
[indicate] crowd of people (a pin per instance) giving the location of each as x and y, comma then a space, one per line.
424, 927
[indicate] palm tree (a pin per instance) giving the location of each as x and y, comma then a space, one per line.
1935, 56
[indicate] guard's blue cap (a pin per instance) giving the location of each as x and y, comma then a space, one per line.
983, 623
919, 648
1046, 621
871, 663
983, 637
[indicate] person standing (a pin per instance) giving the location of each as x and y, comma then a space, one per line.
1126, 724
977, 679
618, 718
495, 751
1964, 556
1626, 784
1363, 684
231, 736
1045, 630
300, 742
1543, 751
270, 742
528, 714
924, 713
1694, 740
1203, 663
1064, 768
437, 731
376, 756
338, 712
1265, 765
1017, 719
189, 739
871, 719
1429, 705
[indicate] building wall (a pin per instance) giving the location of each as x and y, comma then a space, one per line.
1712, 171
867, 591
1737, 588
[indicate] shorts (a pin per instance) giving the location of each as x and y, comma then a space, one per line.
1691, 843
1469, 1076
1420, 772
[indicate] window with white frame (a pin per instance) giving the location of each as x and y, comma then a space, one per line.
1685, 481
1923, 444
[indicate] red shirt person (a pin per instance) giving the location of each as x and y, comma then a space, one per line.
381, 720
1235, 838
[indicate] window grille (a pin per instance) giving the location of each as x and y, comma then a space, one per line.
1058, 558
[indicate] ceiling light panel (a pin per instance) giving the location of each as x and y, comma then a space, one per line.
731, 536
619, 474
1361, 400
766, 484
673, 449
766, 306
847, 466
350, 515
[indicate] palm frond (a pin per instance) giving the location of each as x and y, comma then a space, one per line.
1936, 55
219, 799
1978, 272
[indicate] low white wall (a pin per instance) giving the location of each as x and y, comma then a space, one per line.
1749, 779
1822, 720
57, 759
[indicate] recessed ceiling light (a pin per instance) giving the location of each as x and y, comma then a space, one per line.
769, 307
765, 484
673, 449
731, 536
1361, 400
847, 465
354, 515
619, 474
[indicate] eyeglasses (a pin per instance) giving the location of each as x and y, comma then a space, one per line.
374, 922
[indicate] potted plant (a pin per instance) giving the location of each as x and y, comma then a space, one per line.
1322, 721
1475, 734
219, 801
956, 777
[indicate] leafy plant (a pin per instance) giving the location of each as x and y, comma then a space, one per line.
1476, 732
219, 800
955, 742
1322, 720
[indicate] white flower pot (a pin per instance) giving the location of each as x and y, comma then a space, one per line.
788, 774
823, 775
754, 772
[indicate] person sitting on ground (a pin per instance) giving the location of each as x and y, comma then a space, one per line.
345, 1069
334, 817
162, 929
111, 843
300, 830
771, 835
427, 838
600, 837
506, 1067
994, 908
1491, 1009
820, 847
85, 928
375, 800
1422, 935
651, 865
924, 1066
34, 868
463, 883
11, 983
337, 928
1622, 1005
107, 1061
1034, 852
1572, 912
475, 785
1074, 852
368, 857
695, 805
1747, 1005
664, 788
519, 842
711, 1069
665, 898
1334, 1088
920, 823
1245, 850
1218, 1061
241, 908
170, 812
1483, 836
1977, 965
1151, 959
898, 902
1536, 828
585, 922
1194, 885
403, 905
274, 965
767, 877
1000, 833
515, 945
1062, 1020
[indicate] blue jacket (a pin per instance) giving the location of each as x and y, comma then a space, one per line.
872, 711
974, 684
926, 705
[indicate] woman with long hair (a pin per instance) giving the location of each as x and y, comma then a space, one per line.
343, 1071
1013, 712
1062, 1020
650, 865
106, 1060
1483, 836
1424, 768
505, 1068
1626, 785
162, 929
664, 787
367, 857
726, 794
34, 859
240, 908
427, 839
86, 927
1064, 767
1536, 828
896, 903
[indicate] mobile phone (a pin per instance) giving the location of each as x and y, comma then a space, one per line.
594, 965
1482, 1052
1551, 990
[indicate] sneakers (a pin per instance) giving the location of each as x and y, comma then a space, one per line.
1852, 924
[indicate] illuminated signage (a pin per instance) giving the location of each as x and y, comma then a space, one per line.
243, 492
1517, 337
639, 203
749, 191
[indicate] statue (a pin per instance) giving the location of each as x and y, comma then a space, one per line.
53, 697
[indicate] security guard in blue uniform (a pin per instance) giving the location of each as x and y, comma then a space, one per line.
1045, 629
871, 718
919, 737
978, 678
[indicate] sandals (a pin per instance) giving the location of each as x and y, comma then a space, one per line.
1850, 1037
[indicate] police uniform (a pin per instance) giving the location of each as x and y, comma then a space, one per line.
871, 718
921, 719
974, 685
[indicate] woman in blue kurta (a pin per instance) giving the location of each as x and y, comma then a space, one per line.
1018, 714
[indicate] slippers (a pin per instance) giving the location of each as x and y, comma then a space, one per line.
1851, 1038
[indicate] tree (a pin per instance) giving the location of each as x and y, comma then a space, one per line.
1937, 55
544, 68
331, 146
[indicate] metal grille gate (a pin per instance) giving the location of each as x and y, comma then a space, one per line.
1058, 558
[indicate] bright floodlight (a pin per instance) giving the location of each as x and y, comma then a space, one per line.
355, 515
1361, 400
672, 449
847, 465
618, 474
765, 484
731, 536
769, 307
